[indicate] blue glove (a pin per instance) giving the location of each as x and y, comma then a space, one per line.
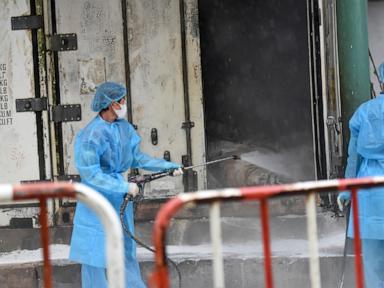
343, 199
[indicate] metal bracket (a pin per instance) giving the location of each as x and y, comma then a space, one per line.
66, 113
27, 22
190, 180
188, 125
185, 161
31, 104
64, 42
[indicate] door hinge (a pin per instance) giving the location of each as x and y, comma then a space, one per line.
66, 113
59, 113
27, 22
63, 42
31, 104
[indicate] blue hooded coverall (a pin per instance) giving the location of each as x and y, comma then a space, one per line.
366, 158
103, 151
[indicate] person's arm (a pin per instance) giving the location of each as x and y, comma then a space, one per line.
87, 155
144, 161
354, 159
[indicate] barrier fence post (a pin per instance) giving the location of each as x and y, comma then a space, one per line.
218, 267
266, 243
313, 243
45, 242
357, 239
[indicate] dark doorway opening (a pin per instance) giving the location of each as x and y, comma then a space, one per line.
257, 88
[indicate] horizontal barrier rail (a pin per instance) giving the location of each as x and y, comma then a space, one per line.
160, 276
95, 201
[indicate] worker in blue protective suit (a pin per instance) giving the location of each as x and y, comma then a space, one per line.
366, 158
107, 147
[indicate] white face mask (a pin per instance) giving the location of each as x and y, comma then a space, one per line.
122, 113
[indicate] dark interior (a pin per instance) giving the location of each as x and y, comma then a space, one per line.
256, 80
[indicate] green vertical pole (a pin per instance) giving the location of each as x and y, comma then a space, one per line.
354, 70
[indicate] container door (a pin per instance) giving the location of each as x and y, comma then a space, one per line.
325, 80
147, 56
165, 73
99, 56
23, 115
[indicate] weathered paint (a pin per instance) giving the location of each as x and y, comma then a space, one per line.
192, 38
100, 57
19, 151
18, 145
49, 88
157, 82
332, 111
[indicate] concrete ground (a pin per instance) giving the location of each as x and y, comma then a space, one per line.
243, 266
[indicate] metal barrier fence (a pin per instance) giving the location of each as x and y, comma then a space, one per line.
102, 208
160, 277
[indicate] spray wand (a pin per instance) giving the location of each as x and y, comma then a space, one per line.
141, 180
233, 157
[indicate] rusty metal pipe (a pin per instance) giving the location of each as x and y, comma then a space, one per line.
266, 243
45, 242
356, 231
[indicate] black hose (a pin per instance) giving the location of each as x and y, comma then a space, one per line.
341, 282
138, 241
